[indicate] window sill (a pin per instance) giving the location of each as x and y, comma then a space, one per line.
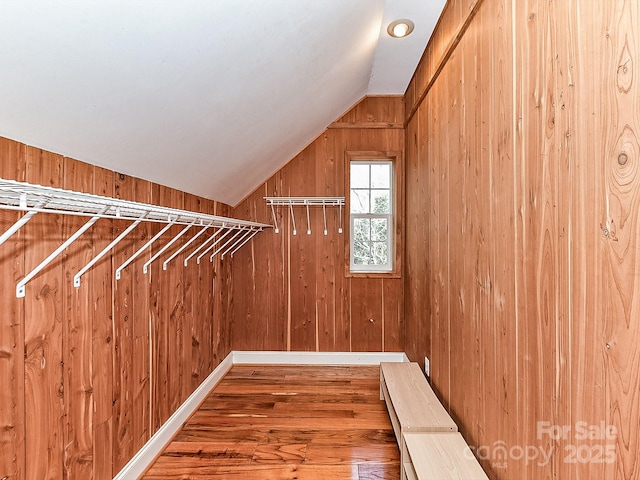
373, 275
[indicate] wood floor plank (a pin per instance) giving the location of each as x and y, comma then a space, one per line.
208, 433
222, 453
379, 471
309, 422
263, 472
288, 410
340, 454
280, 453
286, 422
317, 398
268, 387
343, 437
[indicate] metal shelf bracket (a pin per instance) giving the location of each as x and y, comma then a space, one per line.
306, 202
33, 199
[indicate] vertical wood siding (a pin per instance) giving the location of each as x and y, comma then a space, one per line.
291, 292
12, 331
89, 374
521, 286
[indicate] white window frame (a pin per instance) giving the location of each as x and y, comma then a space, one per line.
390, 217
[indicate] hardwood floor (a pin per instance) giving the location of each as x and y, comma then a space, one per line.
284, 423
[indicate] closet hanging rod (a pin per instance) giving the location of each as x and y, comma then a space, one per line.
40, 199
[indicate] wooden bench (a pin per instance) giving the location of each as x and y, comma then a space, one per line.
415, 409
439, 456
413, 406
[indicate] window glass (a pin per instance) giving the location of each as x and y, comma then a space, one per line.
380, 201
371, 215
359, 175
360, 201
381, 176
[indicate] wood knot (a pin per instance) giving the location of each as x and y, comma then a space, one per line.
45, 292
622, 159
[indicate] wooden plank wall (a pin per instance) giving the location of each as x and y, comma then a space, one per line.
89, 374
522, 285
291, 292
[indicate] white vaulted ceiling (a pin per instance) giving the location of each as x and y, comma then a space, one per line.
206, 96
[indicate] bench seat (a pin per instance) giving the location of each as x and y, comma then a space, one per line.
413, 406
439, 456
428, 438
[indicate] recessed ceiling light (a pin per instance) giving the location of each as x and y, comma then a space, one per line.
400, 28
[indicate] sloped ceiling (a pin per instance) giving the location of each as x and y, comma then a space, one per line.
206, 96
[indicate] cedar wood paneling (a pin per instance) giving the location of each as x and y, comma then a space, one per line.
89, 374
291, 292
521, 279
519, 275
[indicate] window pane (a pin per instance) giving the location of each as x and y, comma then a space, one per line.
360, 201
359, 175
362, 256
379, 229
380, 253
380, 201
362, 241
381, 175
362, 230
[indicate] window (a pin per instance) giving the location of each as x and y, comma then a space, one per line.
371, 215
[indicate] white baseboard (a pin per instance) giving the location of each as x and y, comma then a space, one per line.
153, 448
317, 358
150, 450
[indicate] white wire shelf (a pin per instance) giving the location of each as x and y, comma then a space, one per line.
306, 202
34, 199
